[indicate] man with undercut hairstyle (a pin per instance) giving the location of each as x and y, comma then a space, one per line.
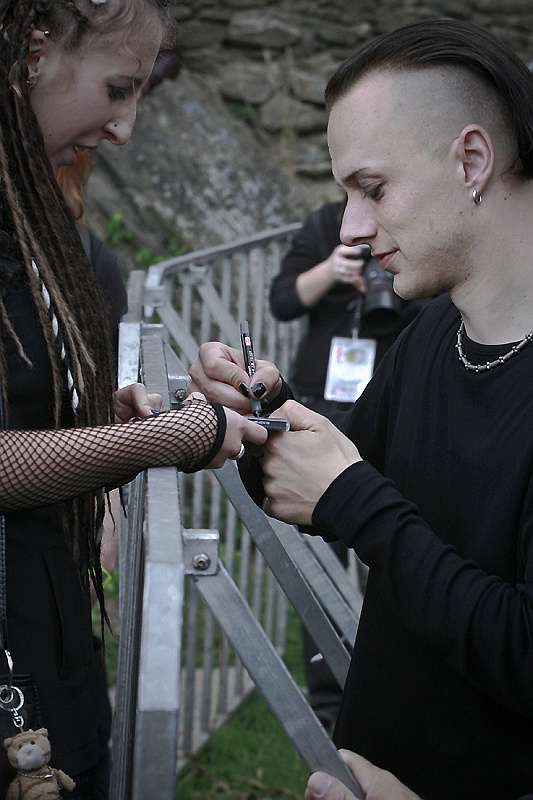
429, 477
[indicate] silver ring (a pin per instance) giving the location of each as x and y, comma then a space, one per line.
239, 454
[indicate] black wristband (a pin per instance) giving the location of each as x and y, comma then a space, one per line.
217, 444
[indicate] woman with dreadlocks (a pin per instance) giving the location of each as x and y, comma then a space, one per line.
70, 75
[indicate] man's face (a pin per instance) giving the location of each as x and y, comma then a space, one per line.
405, 194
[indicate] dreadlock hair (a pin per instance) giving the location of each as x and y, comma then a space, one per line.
491, 73
69, 302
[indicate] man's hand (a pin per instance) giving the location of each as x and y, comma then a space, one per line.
300, 464
219, 374
377, 784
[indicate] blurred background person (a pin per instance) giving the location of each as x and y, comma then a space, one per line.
353, 317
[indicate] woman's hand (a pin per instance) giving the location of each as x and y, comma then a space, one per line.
134, 401
346, 264
219, 374
377, 784
239, 430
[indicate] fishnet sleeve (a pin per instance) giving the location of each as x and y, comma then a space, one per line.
38, 468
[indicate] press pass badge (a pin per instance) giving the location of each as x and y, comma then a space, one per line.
350, 367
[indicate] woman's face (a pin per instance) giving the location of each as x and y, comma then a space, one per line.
89, 95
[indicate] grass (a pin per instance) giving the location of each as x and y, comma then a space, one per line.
250, 757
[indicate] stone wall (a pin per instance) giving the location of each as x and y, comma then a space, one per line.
270, 59
236, 143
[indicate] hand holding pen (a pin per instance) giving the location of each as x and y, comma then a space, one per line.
273, 423
249, 362
219, 374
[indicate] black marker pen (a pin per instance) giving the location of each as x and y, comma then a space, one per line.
249, 362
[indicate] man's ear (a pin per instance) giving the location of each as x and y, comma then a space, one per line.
38, 45
474, 151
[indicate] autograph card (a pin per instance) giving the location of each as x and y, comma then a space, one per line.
350, 367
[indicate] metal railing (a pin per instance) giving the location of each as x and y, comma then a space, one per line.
191, 648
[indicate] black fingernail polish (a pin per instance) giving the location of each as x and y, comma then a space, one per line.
264, 405
243, 389
258, 389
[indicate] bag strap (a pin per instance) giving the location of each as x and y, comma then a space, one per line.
3, 611
11, 696
3, 601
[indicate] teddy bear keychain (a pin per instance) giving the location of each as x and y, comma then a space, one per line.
29, 753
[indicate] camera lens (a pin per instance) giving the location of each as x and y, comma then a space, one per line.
381, 307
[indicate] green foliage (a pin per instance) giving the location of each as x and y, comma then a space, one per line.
116, 231
119, 236
244, 111
144, 257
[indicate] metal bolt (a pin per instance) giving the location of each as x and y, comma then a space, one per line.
180, 394
201, 561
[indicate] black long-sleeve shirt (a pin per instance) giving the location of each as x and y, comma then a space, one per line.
440, 689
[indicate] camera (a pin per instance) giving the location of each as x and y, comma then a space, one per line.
381, 305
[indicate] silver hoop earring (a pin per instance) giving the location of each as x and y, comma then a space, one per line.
477, 198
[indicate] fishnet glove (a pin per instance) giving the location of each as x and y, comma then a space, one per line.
38, 468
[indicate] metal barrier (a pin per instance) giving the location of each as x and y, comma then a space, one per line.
205, 575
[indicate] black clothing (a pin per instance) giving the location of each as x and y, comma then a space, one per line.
440, 689
49, 611
334, 314
69, 672
105, 264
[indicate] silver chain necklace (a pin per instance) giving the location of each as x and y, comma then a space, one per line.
490, 364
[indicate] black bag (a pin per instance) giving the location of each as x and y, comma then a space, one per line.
19, 708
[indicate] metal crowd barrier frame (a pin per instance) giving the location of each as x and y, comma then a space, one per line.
191, 650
